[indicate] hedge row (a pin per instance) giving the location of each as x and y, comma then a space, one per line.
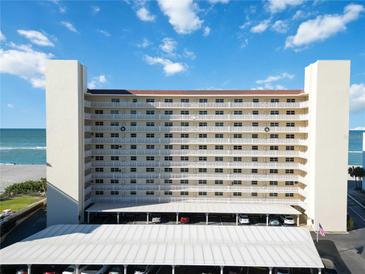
26, 187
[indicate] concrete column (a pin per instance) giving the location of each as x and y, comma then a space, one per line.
172, 269
206, 218
77, 269
221, 269
236, 219
319, 270
270, 270
148, 218
125, 269
267, 219
118, 218
29, 268
88, 218
297, 220
177, 218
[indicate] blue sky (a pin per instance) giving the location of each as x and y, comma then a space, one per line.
167, 44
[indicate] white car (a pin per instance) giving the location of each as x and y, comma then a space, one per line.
243, 219
71, 269
156, 220
94, 269
288, 220
274, 222
115, 270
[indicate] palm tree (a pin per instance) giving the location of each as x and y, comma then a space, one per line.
351, 171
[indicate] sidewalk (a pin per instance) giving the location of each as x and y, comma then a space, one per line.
356, 194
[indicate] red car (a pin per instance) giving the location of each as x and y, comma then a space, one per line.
184, 220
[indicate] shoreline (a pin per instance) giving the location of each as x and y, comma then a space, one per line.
17, 173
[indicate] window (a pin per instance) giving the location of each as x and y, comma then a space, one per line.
134, 100
219, 136
237, 159
99, 169
274, 124
150, 146
289, 136
218, 182
99, 135
289, 160
168, 124
168, 181
237, 136
133, 169
254, 148
289, 171
184, 193
238, 100
273, 194
133, 193
202, 194
184, 182
184, 124
150, 193
133, 135
99, 181
274, 148
184, 147
203, 124
114, 181
184, 158
274, 112
168, 112
273, 183
237, 147
150, 135
168, 169
99, 158
133, 158
219, 112
115, 100
114, 158
150, 100
254, 183
114, 192
254, 171
99, 111
184, 135
150, 112
133, 181
133, 112
274, 100
290, 124
168, 146
274, 136
219, 124
168, 158
202, 135
254, 159
168, 193
133, 124
202, 170
114, 135
184, 100
202, 147
219, 147
289, 147
289, 194
150, 158
203, 100
218, 170
99, 192
150, 124
102, 146
236, 182
237, 124
255, 124
111, 146
255, 136
202, 182
168, 100
219, 100
237, 193
237, 170
202, 158
114, 124
273, 171
237, 112
219, 159
184, 170
98, 123
150, 181
254, 194
274, 159
168, 135
184, 112
203, 112
218, 193
255, 100
290, 112
255, 112
289, 183
290, 100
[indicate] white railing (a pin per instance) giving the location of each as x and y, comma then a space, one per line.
183, 141
191, 129
196, 164
229, 117
190, 152
195, 105
198, 176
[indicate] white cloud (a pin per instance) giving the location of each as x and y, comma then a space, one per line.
182, 15
144, 44
275, 6
24, 62
280, 26
298, 14
357, 97
69, 26
358, 128
189, 54
145, 15
275, 78
206, 31
261, 27
168, 45
218, 1
95, 9
36, 37
10, 105
97, 81
61, 9
323, 27
169, 67
2, 37
104, 32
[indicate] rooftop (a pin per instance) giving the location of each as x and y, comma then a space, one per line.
166, 245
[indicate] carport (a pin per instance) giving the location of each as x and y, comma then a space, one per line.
166, 245
193, 208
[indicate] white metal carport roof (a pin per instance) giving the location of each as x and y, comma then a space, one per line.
196, 207
174, 245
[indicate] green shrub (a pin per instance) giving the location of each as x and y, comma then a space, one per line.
26, 187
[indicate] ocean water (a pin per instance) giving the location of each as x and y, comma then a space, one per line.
22, 146
28, 146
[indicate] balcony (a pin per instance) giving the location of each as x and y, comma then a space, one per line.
228, 117
192, 105
185, 141
193, 129
188, 152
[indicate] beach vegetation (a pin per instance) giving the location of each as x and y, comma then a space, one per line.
27, 187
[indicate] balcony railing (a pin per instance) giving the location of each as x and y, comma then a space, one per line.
191, 129
184, 141
190, 152
192, 105
227, 117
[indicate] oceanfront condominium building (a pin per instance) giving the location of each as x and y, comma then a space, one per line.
231, 146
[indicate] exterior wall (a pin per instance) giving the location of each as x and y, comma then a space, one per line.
327, 83
65, 121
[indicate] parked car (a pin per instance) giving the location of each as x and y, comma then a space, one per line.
21, 271
49, 272
5, 213
156, 220
243, 219
288, 220
184, 220
93, 269
115, 270
282, 271
71, 269
274, 222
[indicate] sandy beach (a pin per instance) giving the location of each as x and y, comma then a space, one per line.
10, 174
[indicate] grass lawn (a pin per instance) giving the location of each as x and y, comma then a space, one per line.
19, 202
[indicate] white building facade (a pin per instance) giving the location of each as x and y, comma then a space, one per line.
234, 146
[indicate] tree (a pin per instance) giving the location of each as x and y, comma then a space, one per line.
351, 172
358, 174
